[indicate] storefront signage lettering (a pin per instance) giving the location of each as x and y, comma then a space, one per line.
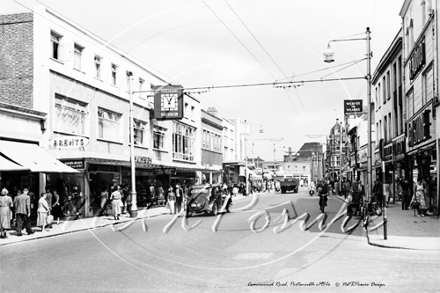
168, 102
104, 168
143, 160
399, 146
352, 106
417, 60
164, 171
362, 155
68, 142
75, 164
419, 129
388, 152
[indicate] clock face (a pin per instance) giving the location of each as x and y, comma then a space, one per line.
169, 102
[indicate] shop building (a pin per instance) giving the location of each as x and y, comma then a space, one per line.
389, 114
73, 101
212, 148
420, 90
335, 149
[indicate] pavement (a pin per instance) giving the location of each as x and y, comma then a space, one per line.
403, 229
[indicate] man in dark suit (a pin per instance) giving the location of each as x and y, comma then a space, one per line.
22, 205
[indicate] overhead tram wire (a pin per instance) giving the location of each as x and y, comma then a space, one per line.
274, 62
224, 24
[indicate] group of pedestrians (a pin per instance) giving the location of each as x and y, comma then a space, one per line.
16, 213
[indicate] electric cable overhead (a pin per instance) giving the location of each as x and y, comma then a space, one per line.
274, 62
238, 39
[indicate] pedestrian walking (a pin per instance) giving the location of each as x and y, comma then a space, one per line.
56, 207
116, 199
49, 203
171, 201
22, 205
405, 194
179, 198
104, 199
42, 212
322, 189
160, 196
418, 200
6, 205
355, 198
378, 191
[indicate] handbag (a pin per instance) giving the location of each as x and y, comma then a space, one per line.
49, 219
415, 205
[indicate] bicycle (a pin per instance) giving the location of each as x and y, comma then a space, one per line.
369, 209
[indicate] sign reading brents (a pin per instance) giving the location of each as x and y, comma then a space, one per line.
164, 171
168, 102
68, 142
419, 129
417, 60
352, 106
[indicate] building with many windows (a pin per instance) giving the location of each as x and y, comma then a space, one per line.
68, 91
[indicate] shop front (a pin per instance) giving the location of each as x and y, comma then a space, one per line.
422, 156
28, 165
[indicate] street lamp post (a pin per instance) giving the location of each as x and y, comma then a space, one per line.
329, 58
133, 208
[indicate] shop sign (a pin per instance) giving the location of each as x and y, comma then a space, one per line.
74, 164
362, 155
419, 129
168, 102
388, 152
164, 171
68, 142
143, 160
417, 60
104, 168
377, 159
352, 106
399, 146
353, 160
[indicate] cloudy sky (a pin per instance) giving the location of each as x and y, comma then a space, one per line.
200, 43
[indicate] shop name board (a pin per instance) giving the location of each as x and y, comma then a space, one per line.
417, 60
419, 129
74, 164
388, 152
362, 155
104, 168
399, 146
168, 102
68, 142
143, 160
352, 106
164, 171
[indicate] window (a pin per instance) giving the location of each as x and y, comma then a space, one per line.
114, 75
384, 93
428, 86
55, 40
139, 132
70, 115
385, 128
183, 141
390, 129
77, 56
410, 105
158, 138
109, 125
98, 66
141, 88
388, 86
192, 113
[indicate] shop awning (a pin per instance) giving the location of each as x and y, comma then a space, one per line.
6, 165
32, 157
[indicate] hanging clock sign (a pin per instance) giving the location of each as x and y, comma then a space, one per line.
168, 102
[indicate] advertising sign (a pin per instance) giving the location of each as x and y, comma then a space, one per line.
352, 106
163, 171
168, 102
75, 164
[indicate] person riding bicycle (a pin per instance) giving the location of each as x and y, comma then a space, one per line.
322, 189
